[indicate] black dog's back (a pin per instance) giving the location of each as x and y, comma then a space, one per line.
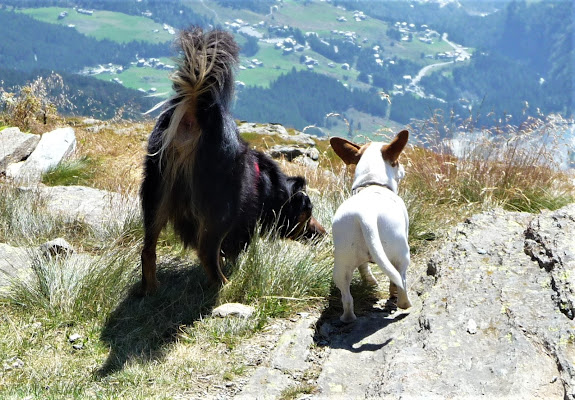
201, 177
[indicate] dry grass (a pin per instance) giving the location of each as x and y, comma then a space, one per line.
118, 150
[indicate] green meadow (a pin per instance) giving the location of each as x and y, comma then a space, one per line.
114, 26
143, 78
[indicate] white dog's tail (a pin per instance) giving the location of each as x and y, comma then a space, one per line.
378, 255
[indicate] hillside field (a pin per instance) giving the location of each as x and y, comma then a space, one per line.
102, 25
314, 17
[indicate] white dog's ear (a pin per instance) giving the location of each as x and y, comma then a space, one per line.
392, 151
348, 151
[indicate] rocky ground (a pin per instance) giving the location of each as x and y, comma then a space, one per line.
493, 318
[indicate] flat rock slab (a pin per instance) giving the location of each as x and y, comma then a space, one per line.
289, 360
99, 209
489, 321
492, 318
53, 147
15, 146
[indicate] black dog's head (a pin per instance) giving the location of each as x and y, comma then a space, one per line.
296, 217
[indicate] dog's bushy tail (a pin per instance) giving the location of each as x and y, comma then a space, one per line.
204, 76
205, 66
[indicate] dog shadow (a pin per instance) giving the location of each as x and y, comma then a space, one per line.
374, 311
142, 329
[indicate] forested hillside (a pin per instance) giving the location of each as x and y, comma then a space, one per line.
302, 97
395, 61
524, 53
28, 44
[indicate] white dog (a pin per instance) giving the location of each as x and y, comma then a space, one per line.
372, 225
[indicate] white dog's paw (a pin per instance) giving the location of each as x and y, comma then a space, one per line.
404, 303
346, 318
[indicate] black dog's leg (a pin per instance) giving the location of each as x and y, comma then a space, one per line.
154, 221
149, 281
209, 253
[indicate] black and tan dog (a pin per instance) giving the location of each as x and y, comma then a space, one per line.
201, 177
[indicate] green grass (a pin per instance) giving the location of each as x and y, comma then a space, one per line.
145, 346
122, 28
110, 25
79, 171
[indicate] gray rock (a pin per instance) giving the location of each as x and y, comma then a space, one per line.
265, 384
15, 264
293, 347
233, 309
292, 152
523, 346
53, 147
550, 241
288, 361
99, 209
15, 146
277, 130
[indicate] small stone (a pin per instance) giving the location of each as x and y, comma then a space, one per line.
13, 363
74, 337
56, 247
233, 309
78, 346
481, 251
472, 327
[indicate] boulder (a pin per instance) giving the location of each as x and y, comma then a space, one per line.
15, 146
99, 209
53, 147
15, 264
292, 152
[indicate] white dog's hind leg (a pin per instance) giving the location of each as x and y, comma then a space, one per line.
366, 275
402, 297
342, 278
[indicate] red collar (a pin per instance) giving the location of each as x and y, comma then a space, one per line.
257, 169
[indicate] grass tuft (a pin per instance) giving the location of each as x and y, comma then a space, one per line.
80, 171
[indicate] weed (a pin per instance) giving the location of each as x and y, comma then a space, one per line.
33, 106
295, 392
